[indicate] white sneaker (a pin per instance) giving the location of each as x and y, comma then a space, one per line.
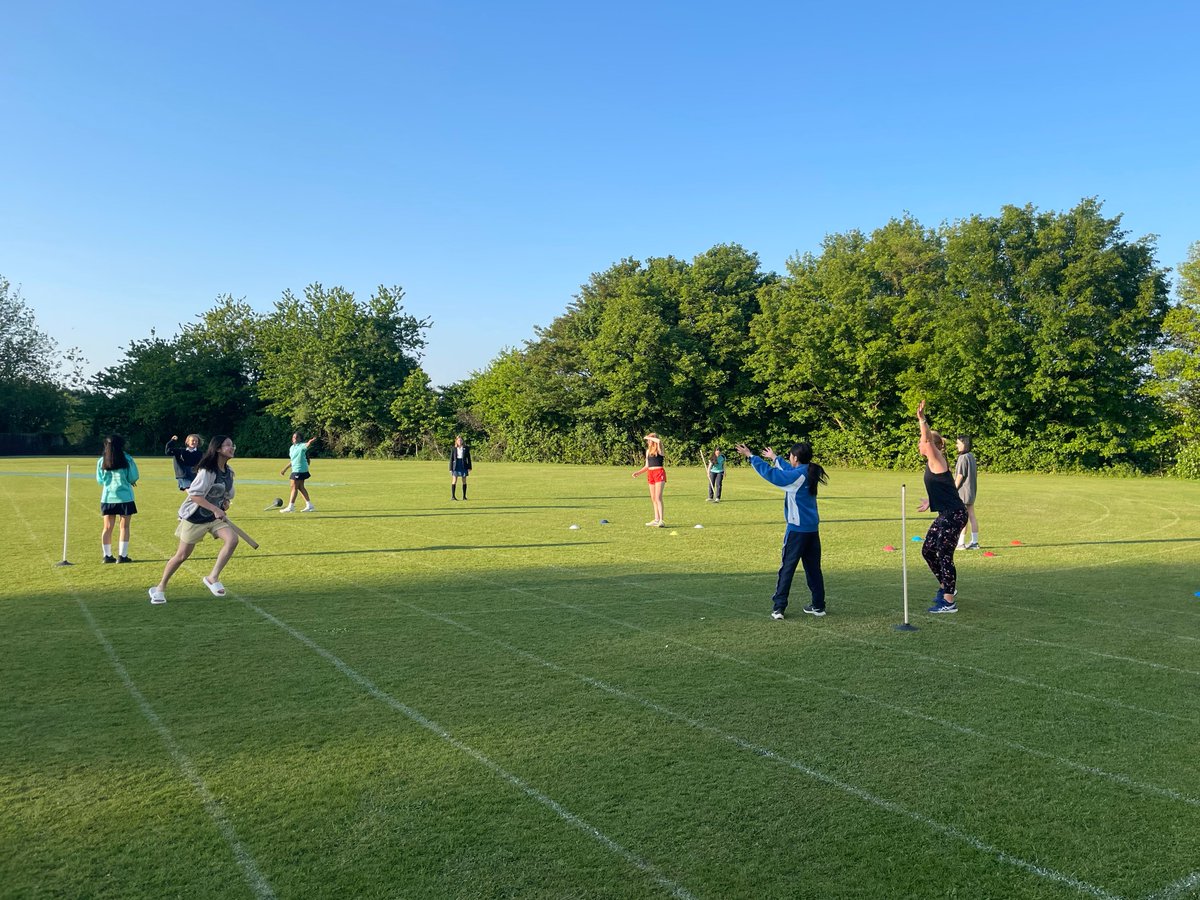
652, 524
309, 508
776, 615
288, 508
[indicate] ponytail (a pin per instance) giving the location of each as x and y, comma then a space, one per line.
803, 451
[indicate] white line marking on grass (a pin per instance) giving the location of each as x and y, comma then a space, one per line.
1013, 679
767, 753
1183, 886
1059, 646
418, 718
1117, 777
250, 870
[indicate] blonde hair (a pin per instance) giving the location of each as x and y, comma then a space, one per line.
653, 438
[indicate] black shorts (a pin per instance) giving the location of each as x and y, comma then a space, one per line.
300, 476
118, 509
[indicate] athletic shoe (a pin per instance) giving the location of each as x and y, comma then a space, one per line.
157, 597
944, 607
288, 508
777, 614
654, 524
309, 508
109, 559
124, 559
813, 611
974, 545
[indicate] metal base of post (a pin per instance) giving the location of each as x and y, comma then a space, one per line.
904, 626
59, 565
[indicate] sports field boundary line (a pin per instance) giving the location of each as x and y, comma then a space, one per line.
830, 634
255, 880
415, 716
1179, 888
1116, 777
765, 752
992, 632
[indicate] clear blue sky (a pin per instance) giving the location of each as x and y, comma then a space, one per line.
488, 157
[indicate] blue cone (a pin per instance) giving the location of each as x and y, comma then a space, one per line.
917, 538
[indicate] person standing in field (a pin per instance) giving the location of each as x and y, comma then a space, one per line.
965, 477
460, 466
299, 469
942, 498
799, 477
203, 512
185, 458
656, 477
117, 475
716, 475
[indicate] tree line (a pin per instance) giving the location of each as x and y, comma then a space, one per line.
1049, 336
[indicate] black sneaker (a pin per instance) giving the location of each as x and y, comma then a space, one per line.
109, 559
813, 611
124, 559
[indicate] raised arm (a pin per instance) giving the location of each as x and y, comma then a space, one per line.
922, 421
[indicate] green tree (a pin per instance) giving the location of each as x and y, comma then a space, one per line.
34, 373
416, 414
332, 365
1177, 369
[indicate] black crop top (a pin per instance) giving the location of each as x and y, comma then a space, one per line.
943, 496
654, 461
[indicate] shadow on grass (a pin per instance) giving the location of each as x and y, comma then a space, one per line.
434, 548
1039, 545
492, 510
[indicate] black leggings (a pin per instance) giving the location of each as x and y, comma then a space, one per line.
938, 549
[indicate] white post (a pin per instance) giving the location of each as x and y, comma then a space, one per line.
66, 517
904, 626
904, 548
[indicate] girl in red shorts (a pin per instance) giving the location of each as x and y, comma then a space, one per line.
656, 476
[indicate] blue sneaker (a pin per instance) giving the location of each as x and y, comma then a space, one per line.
944, 607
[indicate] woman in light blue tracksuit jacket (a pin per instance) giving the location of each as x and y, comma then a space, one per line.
799, 477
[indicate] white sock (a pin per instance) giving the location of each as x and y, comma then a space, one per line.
974, 537
124, 545
107, 549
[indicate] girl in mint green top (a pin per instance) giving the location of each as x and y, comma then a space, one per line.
117, 475
716, 475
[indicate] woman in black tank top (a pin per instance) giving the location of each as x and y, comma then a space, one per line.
942, 537
656, 477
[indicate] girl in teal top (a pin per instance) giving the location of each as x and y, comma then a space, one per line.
117, 474
716, 475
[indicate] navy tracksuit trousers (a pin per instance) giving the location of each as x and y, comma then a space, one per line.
800, 547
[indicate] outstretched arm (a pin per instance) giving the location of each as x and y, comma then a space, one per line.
922, 421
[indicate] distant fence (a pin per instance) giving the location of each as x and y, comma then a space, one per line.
31, 444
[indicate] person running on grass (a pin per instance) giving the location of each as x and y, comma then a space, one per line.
185, 459
299, 467
965, 479
460, 466
656, 476
799, 477
117, 475
203, 512
943, 499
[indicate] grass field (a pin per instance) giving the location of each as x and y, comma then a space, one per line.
408, 697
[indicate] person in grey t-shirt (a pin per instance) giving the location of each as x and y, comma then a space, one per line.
965, 478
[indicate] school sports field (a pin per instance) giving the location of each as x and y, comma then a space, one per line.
408, 697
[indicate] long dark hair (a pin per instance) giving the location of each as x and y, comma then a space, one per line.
816, 475
211, 459
712, 460
114, 453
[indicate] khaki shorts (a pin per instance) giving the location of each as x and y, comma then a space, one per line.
194, 532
